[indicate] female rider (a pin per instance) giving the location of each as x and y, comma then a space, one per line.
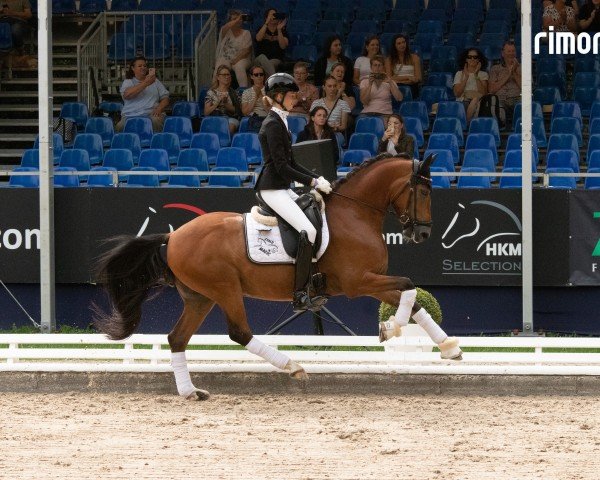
279, 170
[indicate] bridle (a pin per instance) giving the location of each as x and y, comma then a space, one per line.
405, 218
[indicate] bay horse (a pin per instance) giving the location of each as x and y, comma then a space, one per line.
206, 261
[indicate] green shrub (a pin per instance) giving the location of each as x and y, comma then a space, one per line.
424, 298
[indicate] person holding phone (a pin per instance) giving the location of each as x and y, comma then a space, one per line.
143, 95
395, 140
271, 41
471, 83
234, 47
589, 16
377, 90
16, 13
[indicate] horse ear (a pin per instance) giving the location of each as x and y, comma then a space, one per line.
425, 164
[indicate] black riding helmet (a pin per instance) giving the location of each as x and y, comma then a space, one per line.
280, 83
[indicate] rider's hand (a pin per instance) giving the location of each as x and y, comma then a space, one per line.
323, 185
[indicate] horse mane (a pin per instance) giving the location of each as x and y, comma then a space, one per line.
366, 164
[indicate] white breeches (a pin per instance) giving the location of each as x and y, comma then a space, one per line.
282, 201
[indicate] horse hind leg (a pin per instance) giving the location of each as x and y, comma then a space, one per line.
239, 332
195, 309
449, 349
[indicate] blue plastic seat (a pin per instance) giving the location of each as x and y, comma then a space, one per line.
306, 53
593, 147
563, 141
155, 158
413, 126
75, 111
6, 44
442, 79
536, 111
92, 142
105, 180
567, 109
484, 141
121, 47
196, 158
439, 181
463, 26
415, 108
445, 141
25, 181
355, 157
296, 124
209, 142
563, 159
480, 158
370, 125
461, 40
234, 157
547, 95
168, 142
145, 180
364, 26
586, 96
592, 183
425, 42
511, 182
184, 180
434, 13
57, 146
452, 110
129, 141
498, 27
449, 125
180, 126
538, 129
586, 79
31, 158
219, 126
494, 41
561, 182
120, 159
474, 181
594, 127
431, 95
553, 79
514, 159
224, 180
567, 125
70, 180
443, 159
431, 26
364, 141
103, 126
76, 158
186, 109
142, 126
485, 125
586, 63
251, 145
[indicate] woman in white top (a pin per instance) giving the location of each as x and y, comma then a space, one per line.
234, 48
403, 66
362, 65
471, 83
337, 108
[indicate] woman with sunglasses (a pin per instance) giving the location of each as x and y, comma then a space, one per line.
252, 103
222, 100
273, 184
471, 83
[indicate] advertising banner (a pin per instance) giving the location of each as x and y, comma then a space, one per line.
584, 238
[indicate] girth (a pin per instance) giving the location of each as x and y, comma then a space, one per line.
289, 235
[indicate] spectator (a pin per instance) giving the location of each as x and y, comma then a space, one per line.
505, 80
16, 13
318, 129
252, 99
332, 54
395, 140
589, 17
338, 109
222, 99
345, 90
403, 66
143, 95
307, 92
560, 16
471, 83
362, 65
271, 42
234, 48
376, 91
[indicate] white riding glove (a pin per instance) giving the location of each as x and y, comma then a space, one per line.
323, 185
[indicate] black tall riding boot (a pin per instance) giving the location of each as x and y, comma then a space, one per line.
302, 285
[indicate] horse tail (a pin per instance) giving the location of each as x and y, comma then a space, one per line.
128, 270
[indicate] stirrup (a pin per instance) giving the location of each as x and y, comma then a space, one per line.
302, 302
389, 329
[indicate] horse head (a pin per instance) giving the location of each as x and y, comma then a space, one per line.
416, 218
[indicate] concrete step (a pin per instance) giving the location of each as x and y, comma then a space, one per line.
20, 94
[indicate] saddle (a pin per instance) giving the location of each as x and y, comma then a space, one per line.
289, 236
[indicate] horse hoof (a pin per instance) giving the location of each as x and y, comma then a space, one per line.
299, 375
449, 349
198, 395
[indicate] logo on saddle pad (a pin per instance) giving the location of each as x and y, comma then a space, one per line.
482, 238
266, 246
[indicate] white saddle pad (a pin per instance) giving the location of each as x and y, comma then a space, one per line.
264, 244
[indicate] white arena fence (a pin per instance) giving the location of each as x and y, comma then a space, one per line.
347, 354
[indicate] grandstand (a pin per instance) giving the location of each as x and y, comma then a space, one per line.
174, 35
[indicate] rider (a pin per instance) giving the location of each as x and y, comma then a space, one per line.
279, 170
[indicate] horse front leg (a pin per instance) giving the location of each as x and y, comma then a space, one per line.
449, 349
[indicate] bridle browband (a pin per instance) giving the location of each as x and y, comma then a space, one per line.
405, 218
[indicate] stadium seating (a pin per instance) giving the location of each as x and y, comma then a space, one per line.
479, 158
209, 142
511, 182
370, 125
168, 142
439, 181
417, 109
233, 157
561, 182
592, 183
485, 125
251, 145
57, 146
186, 109
593, 146
142, 126
196, 158
103, 126
120, 159
452, 110
26, 181
106, 180
484, 141
143, 180
224, 180
129, 141
567, 125
76, 112
155, 158
451, 126
475, 181
184, 180
567, 109
180, 126
563, 141
31, 158
364, 141
443, 159
219, 126
563, 159
538, 129
70, 179
76, 158
92, 143
445, 141
355, 157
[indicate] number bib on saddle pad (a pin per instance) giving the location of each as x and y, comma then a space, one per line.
264, 243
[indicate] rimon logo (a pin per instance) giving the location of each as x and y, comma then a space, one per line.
13, 239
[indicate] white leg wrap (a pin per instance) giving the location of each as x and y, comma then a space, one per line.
185, 387
407, 300
423, 318
271, 355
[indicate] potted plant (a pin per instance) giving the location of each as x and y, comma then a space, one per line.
429, 303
